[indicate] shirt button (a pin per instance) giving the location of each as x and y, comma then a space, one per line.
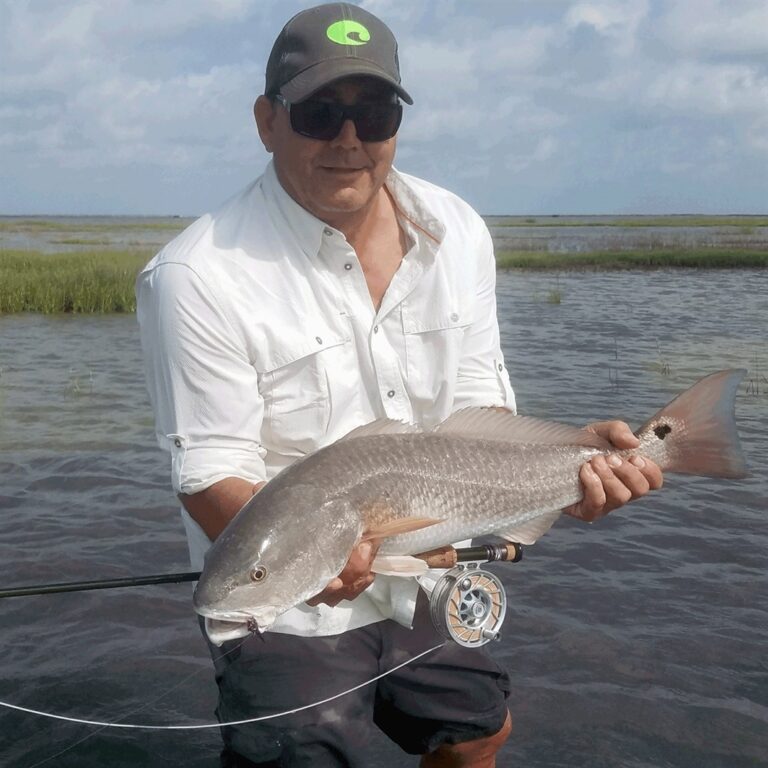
375, 328
391, 393
177, 442
328, 232
347, 266
318, 340
501, 367
454, 317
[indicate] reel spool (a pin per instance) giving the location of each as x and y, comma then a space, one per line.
468, 605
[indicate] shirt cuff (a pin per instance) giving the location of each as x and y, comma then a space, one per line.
196, 467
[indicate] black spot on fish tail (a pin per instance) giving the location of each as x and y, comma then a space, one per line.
662, 431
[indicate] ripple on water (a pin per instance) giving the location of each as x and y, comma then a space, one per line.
638, 641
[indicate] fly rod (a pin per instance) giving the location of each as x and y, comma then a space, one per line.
444, 557
82, 586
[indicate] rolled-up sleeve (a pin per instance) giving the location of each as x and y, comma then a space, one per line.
202, 385
482, 378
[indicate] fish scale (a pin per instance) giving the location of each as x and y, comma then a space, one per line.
475, 487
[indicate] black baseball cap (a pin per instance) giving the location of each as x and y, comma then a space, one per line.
329, 42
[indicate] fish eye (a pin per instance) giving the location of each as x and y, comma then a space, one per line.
258, 573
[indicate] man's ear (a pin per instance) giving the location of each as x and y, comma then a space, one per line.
264, 111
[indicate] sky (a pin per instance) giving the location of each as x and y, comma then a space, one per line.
144, 107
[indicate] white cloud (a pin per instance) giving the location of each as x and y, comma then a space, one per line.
737, 90
711, 27
618, 20
518, 102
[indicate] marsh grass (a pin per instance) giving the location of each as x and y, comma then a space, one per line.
101, 281
662, 364
13, 224
80, 241
693, 258
69, 282
744, 222
757, 381
555, 295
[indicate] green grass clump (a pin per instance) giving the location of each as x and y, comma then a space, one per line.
746, 223
694, 221
79, 241
41, 225
69, 282
692, 258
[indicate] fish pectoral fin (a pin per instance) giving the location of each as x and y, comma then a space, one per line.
530, 531
399, 525
399, 565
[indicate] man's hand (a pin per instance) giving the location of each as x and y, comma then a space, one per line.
611, 481
354, 579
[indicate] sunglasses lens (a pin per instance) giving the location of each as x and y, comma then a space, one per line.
378, 122
323, 121
316, 119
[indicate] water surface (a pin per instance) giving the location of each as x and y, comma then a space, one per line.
636, 642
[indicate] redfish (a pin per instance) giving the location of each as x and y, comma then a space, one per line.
480, 472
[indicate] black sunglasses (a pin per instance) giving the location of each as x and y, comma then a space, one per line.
323, 120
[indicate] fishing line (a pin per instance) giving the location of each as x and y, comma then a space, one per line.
141, 726
146, 704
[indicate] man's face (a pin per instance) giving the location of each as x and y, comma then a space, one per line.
334, 179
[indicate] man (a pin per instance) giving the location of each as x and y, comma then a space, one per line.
331, 292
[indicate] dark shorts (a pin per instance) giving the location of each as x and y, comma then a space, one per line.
448, 696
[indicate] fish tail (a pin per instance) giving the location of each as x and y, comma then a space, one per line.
696, 433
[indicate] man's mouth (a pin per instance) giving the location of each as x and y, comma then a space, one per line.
341, 169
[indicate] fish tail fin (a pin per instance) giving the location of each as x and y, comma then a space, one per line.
696, 433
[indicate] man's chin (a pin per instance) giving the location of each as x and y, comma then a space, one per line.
344, 200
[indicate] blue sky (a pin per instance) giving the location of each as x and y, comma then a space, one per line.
521, 106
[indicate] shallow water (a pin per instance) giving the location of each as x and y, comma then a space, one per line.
639, 641
579, 234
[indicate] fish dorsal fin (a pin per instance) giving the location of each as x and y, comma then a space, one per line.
383, 427
505, 427
397, 526
532, 531
399, 565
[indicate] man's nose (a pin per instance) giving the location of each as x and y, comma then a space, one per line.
347, 136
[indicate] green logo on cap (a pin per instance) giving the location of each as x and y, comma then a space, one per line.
348, 33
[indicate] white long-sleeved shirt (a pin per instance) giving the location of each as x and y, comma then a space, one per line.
261, 344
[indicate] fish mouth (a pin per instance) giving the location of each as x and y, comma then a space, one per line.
261, 622
223, 615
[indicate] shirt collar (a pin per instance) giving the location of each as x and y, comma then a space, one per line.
305, 227
412, 206
309, 230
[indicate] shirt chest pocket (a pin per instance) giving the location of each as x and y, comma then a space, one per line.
433, 342
294, 383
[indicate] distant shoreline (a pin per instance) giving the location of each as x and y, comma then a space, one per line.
88, 264
515, 219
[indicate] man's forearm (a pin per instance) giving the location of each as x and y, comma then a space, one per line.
213, 508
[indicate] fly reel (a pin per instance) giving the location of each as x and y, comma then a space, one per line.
468, 605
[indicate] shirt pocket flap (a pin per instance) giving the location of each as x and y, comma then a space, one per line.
288, 347
437, 318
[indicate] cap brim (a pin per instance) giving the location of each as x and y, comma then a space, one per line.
326, 72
